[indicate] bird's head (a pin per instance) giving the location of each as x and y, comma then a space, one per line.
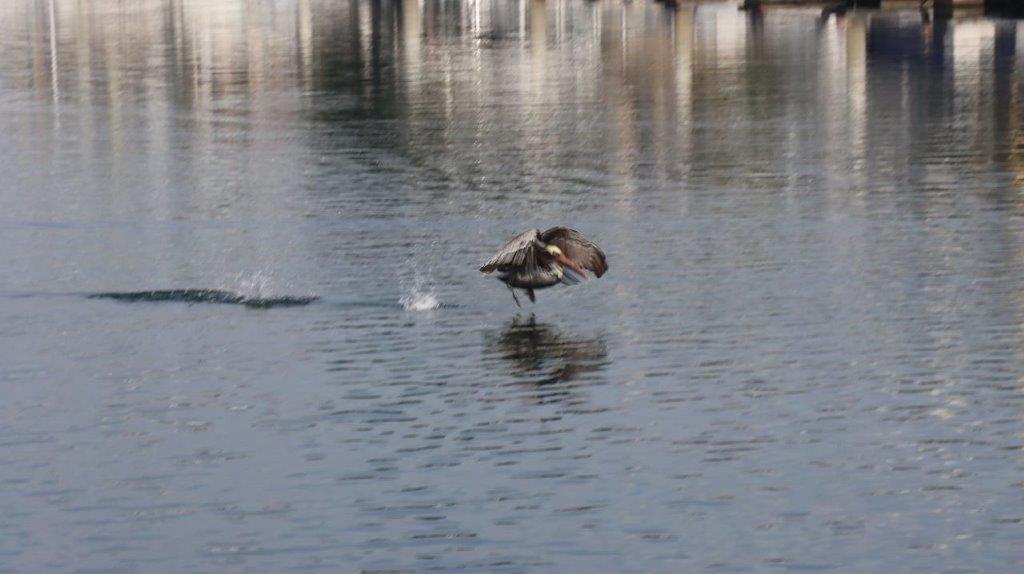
560, 257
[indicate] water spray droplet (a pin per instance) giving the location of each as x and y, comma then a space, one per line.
420, 302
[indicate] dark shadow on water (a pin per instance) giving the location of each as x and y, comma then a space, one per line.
203, 296
544, 355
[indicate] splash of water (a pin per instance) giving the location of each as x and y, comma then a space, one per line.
417, 301
257, 285
420, 296
419, 289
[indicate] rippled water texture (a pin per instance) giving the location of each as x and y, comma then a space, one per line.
807, 356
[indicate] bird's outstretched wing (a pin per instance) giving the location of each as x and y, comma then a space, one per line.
578, 248
520, 251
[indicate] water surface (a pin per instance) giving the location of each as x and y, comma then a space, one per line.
807, 354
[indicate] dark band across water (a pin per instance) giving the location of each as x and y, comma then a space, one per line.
203, 296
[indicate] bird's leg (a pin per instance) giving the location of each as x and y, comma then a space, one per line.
514, 298
529, 293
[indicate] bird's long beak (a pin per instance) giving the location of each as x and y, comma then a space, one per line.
561, 258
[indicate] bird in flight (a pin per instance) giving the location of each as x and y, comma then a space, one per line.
535, 260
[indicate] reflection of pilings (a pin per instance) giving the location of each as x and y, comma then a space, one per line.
412, 31
684, 49
949, 8
1004, 54
684, 24
856, 83
1004, 120
54, 72
623, 104
755, 27
538, 27
1005, 8
538, 44
304, 38
1005, 47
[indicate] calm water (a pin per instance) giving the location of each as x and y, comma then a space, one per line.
808, 354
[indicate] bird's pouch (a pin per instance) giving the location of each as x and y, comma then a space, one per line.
570, 277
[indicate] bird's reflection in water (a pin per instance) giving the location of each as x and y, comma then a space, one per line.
552, 363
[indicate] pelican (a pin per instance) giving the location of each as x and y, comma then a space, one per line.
535, 260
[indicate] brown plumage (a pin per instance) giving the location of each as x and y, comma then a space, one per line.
535, 260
